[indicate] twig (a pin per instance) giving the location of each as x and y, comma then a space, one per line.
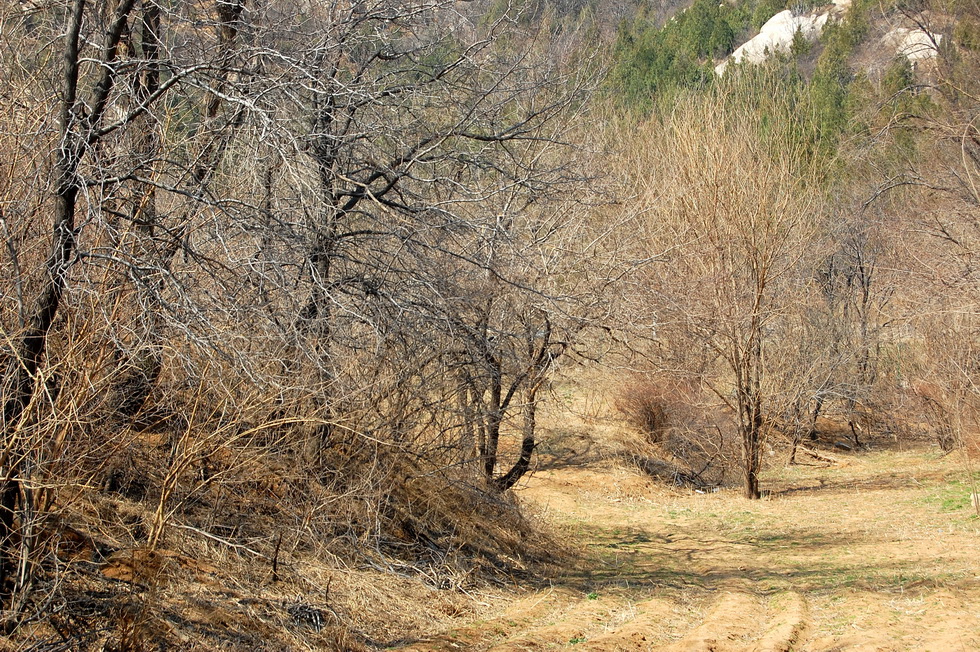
275, 560
819, 456
226, 542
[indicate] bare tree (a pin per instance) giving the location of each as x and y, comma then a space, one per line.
738, 218
424, 149
355, 209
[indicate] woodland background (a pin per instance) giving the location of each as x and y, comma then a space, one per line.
295, 280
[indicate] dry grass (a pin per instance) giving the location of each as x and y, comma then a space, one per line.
202, 530
876, 552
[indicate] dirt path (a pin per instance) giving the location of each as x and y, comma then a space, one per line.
880, 553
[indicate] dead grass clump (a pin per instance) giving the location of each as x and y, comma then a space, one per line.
231, 528
697, 457
395, 511
219, 514
461, 532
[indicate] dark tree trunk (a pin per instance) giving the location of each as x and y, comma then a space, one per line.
817, 408
142, 368
523, 462
855, 429
145, 365
494, 419
539, 356
751, 420
22, 377
752, 454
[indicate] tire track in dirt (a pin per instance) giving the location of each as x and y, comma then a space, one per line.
637, 633
728, 625
519, 617
787, 623
736, 622
882, 567
574, 624
739, 619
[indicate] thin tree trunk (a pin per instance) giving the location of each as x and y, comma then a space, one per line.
142, 368
467, 438
494, 419
539, 360
146, 364
753, 459
817, 408
751, 448
22, 378
752, 421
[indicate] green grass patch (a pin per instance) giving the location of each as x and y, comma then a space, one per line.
954, 496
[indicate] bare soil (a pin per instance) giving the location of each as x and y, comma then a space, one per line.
878, 552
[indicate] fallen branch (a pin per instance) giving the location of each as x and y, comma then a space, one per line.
819, 456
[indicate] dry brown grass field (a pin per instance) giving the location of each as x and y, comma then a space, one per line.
878, 552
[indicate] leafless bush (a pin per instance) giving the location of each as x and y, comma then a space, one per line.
647, 406
299, 272
683, 439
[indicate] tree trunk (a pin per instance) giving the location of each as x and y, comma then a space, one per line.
751, 458
142, 368
494, 419
467, 436
523, 462
751, 487
22, 377
539, 360
145, 365
752, 421
818, 406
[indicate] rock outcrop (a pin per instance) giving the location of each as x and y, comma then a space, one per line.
913, 44
778, 33
776, 36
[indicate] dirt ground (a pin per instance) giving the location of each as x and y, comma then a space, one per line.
878, 552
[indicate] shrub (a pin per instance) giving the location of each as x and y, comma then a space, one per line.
681, 440
646, 406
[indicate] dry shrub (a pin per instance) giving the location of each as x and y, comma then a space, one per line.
682, 439
647, 406
259, 513
456, 529
393, 509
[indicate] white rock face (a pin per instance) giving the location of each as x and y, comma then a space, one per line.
913, 44
778, 33
776, 36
